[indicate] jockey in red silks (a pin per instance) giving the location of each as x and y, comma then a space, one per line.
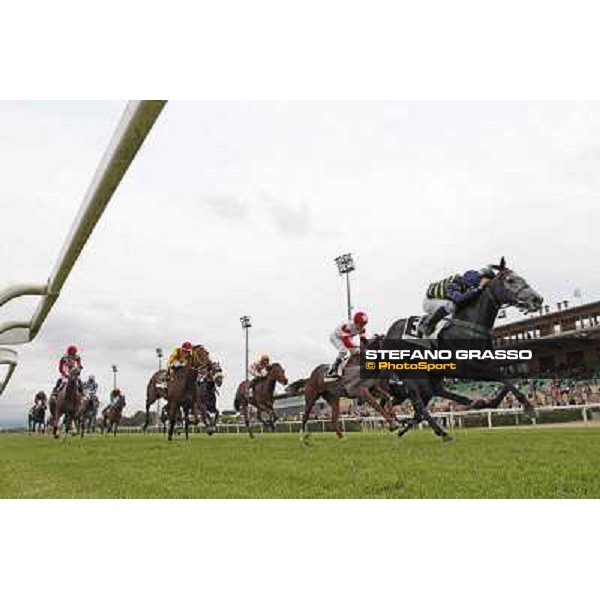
69, 360
343, 339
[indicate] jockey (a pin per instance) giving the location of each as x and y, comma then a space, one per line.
445, 296
114, 396
342, 338
180, 357
259, 369
40, 399
69, 360
90, 387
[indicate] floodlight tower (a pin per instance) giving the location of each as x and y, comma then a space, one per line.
246, 324
114, 371
345, 265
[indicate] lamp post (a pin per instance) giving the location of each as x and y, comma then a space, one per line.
159, 355
114, 371
345, 265
246, 324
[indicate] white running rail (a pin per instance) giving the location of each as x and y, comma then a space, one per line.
137, 121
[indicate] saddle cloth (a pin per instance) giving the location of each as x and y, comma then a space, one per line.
410, 333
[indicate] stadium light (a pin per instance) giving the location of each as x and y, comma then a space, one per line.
246, 324
345, 265
114, 370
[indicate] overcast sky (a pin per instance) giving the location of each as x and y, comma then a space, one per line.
237, 208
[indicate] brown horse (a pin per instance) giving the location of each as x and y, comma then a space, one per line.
350, 385
262, 398
156, 388
181, 396
158, 384
111, 416
66, 403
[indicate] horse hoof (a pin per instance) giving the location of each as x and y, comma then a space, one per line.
448, 439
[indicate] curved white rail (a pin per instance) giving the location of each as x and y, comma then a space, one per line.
136, 122
11, 358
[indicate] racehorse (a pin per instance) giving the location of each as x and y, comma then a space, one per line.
158, 384
37, 418
211, 380
66, 402
374, 391
156, 388
88, 412
181, 396
262, 396
111, 416
472, 322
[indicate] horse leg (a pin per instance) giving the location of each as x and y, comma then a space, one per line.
273, 416
186, 422
528, 408
423, 414
173, 413
55, 419
310, 397
147, 421
365, 394
244, 410
443, 392
335, 417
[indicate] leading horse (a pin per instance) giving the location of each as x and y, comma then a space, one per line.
472, 324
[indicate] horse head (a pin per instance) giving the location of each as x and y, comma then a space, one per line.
277, 373
216, 374
200, 355
74, 373
510, 288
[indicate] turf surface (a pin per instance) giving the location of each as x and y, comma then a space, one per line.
509, 463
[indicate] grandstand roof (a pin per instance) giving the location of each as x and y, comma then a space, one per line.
580, 319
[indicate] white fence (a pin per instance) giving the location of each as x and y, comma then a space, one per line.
136, 122
501, 417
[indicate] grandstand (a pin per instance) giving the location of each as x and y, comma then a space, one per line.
568, 338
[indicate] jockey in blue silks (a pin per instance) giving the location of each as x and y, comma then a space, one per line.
444, 297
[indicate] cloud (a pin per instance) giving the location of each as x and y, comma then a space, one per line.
228, 208
288, 219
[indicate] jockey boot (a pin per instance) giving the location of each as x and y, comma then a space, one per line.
427, 324
334, 369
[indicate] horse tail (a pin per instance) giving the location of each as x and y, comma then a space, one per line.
296, 386
236, 402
